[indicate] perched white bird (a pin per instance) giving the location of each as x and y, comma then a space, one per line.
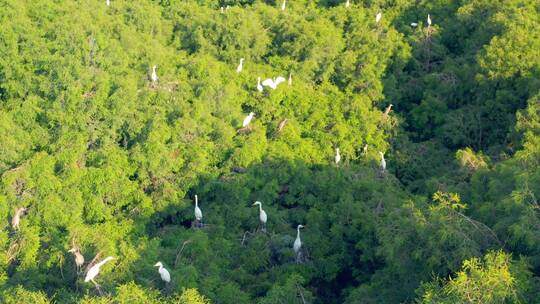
164, 273
240, 66
298, 242
348, 3
94, 270
248, 119
262, 215
273, 83
387, 111
429, 20
222, 9
282, 124
338, 156
15, 221
108, 2
414, 24
383, 161
154, 77
283, 5
364, 150
290, 79
378, 17
259, 86
198, 212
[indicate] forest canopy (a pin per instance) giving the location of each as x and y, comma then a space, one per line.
403, 136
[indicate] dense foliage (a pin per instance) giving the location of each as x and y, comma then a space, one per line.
108, 160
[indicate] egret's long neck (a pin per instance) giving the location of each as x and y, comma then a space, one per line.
260, 207
196, 201
297, 232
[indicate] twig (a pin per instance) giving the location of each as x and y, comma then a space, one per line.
180, 252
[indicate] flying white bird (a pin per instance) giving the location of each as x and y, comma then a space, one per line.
15, 221
378, 17
154, 77
259, 86
298, 242
348, 3
338, 156
383, 161
262, 215
429, 20
283, 5
248, 119
273, 83
240, 66
414, 24
290, 79
198, 212
94, 271
79, 258
164, 273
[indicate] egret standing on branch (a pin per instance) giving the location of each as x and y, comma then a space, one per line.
153, 76
378, 17
262, 216
94, 271
282, 124
108, 2
298, 243
348, 3
283, 5
240, 66
198, 213
273, 83
383, 162
164, 273
15, 221
387, 111
338, 156
248, 119
414, 24
259, 86
429, 20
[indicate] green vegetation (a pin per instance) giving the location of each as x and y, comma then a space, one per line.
109, 161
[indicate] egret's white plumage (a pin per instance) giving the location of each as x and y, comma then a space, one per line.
240, 66
383, 161
262, 215
15, 221
273, 83
154, 76
198, 212
108, 2
164, 273
429, 20
414, 24
338, 156
259, 86
298, 242
348, 3
283, 4
290, 79
248, 119
94, 270
378, 17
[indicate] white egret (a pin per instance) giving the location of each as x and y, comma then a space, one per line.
262, 215
248, 119
94, 271
429, 20
414, 24
240, 66
164, 273
15, 221
108, 2
227, 8
222, 9
154, 76
298, 242
273, 83
290, 79
378, 17
79, 258
348, 3
198, 212
387, 111
383, 161
364, 150
282, 124
338, 156
283, 5
259, 86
